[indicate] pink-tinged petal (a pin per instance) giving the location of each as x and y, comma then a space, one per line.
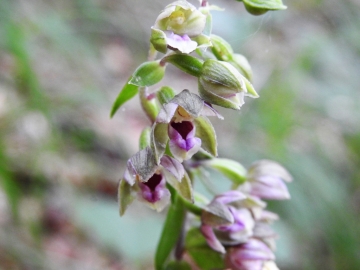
268, 216
183, 145
167, 113
173, 166
270, 187
208, 110
154, 192
182, 43
254, 250
211, 239
230, 196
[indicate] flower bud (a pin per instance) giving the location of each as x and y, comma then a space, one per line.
221, 84
265, 180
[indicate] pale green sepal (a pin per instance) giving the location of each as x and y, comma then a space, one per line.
258, 7
144, 164
242, 64
217, 214
222, 77
125, 196
190, 102
144, 139
203, 41
185, 62
165, 94
185, 188
218, 100
250, 91
158, 140
149, 104
208, 26
206, 132
229, 168
127, 93
158, 40
148, 73
221, 48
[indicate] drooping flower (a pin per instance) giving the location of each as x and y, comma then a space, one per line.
266, 180
187, 129
252, 255
220, 83
225, 224
179, 27
148, 180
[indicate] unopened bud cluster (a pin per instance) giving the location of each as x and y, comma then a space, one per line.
181, 143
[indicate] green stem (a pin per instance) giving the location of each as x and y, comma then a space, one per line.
171, 230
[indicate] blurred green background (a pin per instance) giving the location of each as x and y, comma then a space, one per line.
63, 62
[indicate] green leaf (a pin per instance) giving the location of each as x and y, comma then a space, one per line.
125, 196
158, 140
171, 232
206, 132
229, 168
201, 253
258, 7
148, 73
127, 93
186, 63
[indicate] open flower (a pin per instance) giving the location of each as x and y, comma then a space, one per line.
187, 129
225, 224
148, 180
252, 255
179, 27
266, 179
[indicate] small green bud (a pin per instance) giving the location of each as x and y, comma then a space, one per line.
149, 104
259, 7
148, 73
158, 40
221, 49
165, 94
144, 139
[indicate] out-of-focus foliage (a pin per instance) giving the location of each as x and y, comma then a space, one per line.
62, 64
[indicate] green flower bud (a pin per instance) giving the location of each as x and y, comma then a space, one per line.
220, 83
165, 94
259, 7
149, 104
